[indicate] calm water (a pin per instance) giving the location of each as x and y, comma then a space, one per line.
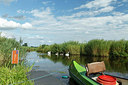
59, 64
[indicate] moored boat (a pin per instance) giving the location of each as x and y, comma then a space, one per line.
84, 77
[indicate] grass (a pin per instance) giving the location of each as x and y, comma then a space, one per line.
15, 75
8, 73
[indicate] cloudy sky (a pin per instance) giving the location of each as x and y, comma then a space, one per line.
55, 21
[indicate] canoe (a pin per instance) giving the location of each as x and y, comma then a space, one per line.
78, 73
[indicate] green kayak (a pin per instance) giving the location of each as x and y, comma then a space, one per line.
77, 72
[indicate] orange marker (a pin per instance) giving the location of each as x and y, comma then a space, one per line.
15, 55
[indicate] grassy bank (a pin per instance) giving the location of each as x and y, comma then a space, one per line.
8, 73
97, 47
15, 75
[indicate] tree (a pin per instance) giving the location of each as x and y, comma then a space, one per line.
25, 44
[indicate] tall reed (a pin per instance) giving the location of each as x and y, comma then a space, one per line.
8, 73
98, 48
118, 48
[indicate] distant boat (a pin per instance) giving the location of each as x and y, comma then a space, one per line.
49, 53
67, 54
80, 75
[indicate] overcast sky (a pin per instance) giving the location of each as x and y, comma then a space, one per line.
55, 21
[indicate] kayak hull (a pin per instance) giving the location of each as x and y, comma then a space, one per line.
78, 72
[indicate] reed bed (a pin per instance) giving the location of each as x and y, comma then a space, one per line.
73, 47
8, 73
8, 45
96, 47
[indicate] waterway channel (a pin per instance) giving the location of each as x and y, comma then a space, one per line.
58, 65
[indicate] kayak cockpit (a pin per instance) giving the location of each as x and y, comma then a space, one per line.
95, 71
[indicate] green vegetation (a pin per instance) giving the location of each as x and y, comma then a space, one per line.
25, 44
73, 47
119, 48
97, 47
8, 73
15, 75
7, 46
28, 49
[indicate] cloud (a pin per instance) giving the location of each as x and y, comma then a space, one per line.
95, 4
20, 17
44, 12
118, 13
5, 24
95, 7
38, 37
97, 23
90, 13
49, 41
7, 1
46, 2
125, 0
100, 21
26, 25
44, 19
7, 35
20, 11
5, 16
23, 11
106, 9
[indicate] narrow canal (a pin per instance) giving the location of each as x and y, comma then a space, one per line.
59, 64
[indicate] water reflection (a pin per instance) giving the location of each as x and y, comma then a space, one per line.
112, 64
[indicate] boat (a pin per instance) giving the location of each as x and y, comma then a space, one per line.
89, 75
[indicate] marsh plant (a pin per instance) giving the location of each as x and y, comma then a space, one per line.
96, 47
15, 75
10, 74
